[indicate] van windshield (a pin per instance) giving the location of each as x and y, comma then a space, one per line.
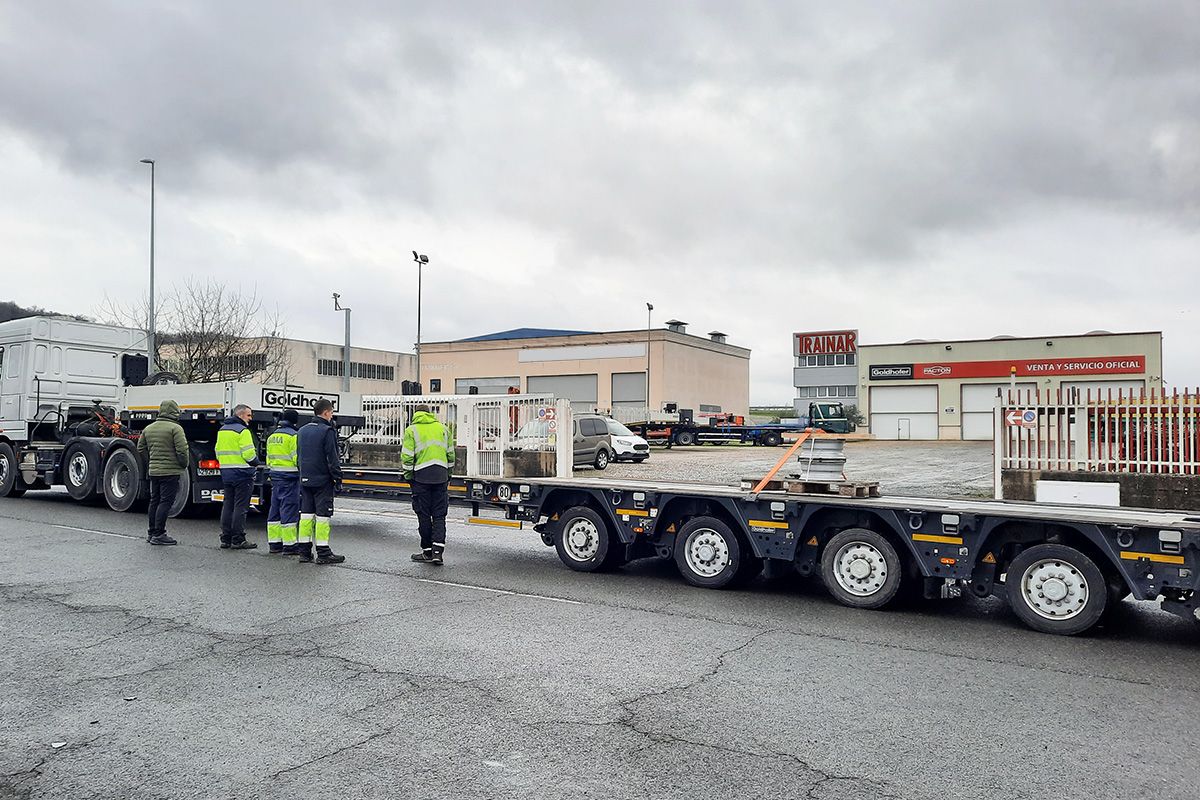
534, 429
617, 429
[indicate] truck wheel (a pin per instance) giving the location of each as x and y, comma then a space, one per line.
771, 439
1056, 589
709, 554
685, 438
601, 459
80, 470
183, 499
583, 541
122, 480
861, 569
9, 476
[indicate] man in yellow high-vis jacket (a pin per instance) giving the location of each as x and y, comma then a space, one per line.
283, 465
427, 456
237, 454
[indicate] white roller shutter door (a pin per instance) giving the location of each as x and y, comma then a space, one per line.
579, 389
1100, 389
978, 402
904, 412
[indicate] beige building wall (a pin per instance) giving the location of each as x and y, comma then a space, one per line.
304, 368
950, 392
684, 369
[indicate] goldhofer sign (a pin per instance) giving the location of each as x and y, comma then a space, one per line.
1035, 367
290, 398
823, 342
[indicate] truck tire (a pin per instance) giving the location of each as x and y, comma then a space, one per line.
183, 499
861, 569
709, 554
122, 480
771, 439
1056, 589
10, 477
584, 542
685, 438
80, 471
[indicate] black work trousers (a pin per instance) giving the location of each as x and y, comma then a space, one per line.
163, 492
239, 487
431, 501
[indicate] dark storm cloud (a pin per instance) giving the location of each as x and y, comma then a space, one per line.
770, 133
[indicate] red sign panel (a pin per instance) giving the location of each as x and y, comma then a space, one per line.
1034, 367
811, 344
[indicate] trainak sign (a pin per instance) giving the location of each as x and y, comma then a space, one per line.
1025, 368
290, 398
825, 342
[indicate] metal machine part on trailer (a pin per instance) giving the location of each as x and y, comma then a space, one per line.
1061, 567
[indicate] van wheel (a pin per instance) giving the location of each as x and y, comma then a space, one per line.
122, 480
861, 569
709, 554
602, 459
9, 476
583, 541
80, 469
1056, 589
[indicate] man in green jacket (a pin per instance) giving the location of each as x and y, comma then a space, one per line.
427, 456
163, 445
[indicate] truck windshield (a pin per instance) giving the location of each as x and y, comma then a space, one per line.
830, 410
617, 429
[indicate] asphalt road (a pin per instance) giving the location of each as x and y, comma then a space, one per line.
134, 671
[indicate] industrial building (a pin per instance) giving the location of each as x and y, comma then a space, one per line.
947, 389
651, 368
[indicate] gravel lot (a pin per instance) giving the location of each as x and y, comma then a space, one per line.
923, 469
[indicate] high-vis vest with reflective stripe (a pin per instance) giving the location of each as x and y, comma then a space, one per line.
235, 446
427, 443
282, 455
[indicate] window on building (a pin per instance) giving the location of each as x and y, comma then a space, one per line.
358, 369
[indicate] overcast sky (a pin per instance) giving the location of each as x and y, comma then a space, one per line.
914, 170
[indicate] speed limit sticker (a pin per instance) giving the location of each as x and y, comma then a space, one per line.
504, 493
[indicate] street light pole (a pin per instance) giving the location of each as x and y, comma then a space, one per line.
649, 311
421, 260
345, 349
151, 350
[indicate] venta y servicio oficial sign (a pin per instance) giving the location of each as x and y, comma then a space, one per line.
826, 342
290, 398
1033, 367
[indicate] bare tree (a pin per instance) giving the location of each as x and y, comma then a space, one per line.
207, 331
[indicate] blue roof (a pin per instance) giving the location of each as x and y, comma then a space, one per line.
524, 333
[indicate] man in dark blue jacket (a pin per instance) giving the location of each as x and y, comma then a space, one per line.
320, 480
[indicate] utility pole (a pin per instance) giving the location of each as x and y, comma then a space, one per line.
345, 349
151, 349
649, 312
421, 260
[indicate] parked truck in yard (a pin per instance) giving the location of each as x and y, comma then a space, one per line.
72, 404
680, 428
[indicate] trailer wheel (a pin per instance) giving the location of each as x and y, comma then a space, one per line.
685, 438
122, 480
583, 540
861, 569
709, 554
9, 476
80, 470
771, 439
1056, 589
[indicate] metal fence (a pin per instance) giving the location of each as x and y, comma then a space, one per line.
1153, 433
486, 426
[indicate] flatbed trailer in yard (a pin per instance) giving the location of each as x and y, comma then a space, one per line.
1060, 567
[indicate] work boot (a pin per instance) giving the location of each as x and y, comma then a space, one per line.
225, 543
290, 550
437, 557
275, 548
162, 538
305, 552
243, 545
327, 556
424, 557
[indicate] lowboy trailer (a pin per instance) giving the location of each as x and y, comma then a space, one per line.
1060, 567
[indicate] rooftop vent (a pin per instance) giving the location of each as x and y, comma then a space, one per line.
1099, 333
1001, 337
717, 337
676, 326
